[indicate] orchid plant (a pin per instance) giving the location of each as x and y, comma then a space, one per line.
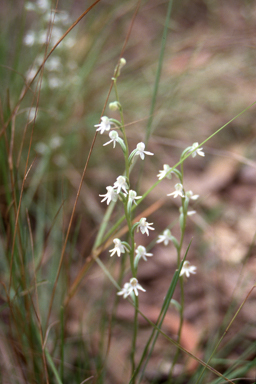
122, 190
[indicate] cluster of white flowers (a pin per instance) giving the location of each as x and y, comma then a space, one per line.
128, 196
122, 189
165, 238
54, 24
54, 143
106, 124
179, 189
52, 36
120, 185
141, 253
39, 5
167, 172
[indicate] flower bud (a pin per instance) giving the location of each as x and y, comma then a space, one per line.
122, 62
114, 106
118, 68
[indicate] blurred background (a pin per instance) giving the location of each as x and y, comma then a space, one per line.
208, 77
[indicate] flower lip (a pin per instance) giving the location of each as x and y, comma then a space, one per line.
121, 184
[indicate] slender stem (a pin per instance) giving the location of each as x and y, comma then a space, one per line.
180, 328
123, 131
182, 297
128, 216
131, 233
62, 343
135, 331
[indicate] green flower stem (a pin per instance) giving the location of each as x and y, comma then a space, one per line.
182, 298
135, 331
126, 155
128, 217
155, 333
131, 233
180, 327
133, 269
182, 174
